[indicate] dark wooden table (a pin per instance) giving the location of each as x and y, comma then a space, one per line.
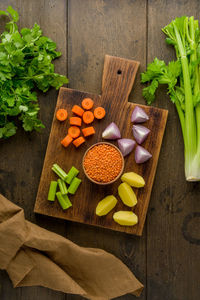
167, 257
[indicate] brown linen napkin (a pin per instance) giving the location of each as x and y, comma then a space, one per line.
35, 256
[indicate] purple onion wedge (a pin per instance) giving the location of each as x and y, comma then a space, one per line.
111, 132
140, 133
126, 146
141, 155
139, 115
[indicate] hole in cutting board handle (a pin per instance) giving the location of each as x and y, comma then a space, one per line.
119, 72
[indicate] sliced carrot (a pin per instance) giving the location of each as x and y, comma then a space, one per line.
67, 140
74, 131
61, 114
88, 117
79, 141
77, 110
76, 121
99, 112
88, 131
87, 103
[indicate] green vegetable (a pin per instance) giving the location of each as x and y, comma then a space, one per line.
52, 190
25, 64
73, 172
62, 187
74, 185
67, 201
59, 172
182, 78
63, 202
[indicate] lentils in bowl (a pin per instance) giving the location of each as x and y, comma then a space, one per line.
103, 163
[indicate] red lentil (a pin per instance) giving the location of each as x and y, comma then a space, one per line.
103, 163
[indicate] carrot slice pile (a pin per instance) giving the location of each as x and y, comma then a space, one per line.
79, 141
61, 114
74, 131
87, 103
88, 131
84, 114
77, 110
76, 121
99, 113
88, 117
66, 141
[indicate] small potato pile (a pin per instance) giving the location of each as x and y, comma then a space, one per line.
128, 197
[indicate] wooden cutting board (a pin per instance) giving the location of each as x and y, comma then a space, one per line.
118, 78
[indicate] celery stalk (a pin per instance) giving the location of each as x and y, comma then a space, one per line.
183, 80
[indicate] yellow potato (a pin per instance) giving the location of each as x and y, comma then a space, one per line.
127, 194
133, 179
126, 218
106, 205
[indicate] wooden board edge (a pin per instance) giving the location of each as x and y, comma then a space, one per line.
145, 208
48, 145
142, 105
136, 62
88, 224
63, 88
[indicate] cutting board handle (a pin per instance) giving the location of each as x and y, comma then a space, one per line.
118, 78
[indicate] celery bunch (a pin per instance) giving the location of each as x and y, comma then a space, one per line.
182, 78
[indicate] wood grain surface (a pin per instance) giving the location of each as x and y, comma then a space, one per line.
118, 78
167, 256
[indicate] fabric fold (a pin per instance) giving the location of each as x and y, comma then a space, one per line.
11, 218
35, 256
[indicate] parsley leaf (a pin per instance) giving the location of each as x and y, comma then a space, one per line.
159, 73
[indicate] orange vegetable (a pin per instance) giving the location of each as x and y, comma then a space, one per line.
76, 121
77, 110
87, 103
88, 131
74, 131
99, 112
88, 117
79, 141
103, 163
61, 114
67, 140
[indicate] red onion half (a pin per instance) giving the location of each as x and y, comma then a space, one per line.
111, 132
141, 155
140, 133
139, 115
126, 146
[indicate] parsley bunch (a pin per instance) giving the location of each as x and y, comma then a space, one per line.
25, 64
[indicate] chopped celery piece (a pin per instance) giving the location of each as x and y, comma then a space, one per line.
52, 190
62, 186
74, 185
62, 201
59, 172
67, 201
72, 173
